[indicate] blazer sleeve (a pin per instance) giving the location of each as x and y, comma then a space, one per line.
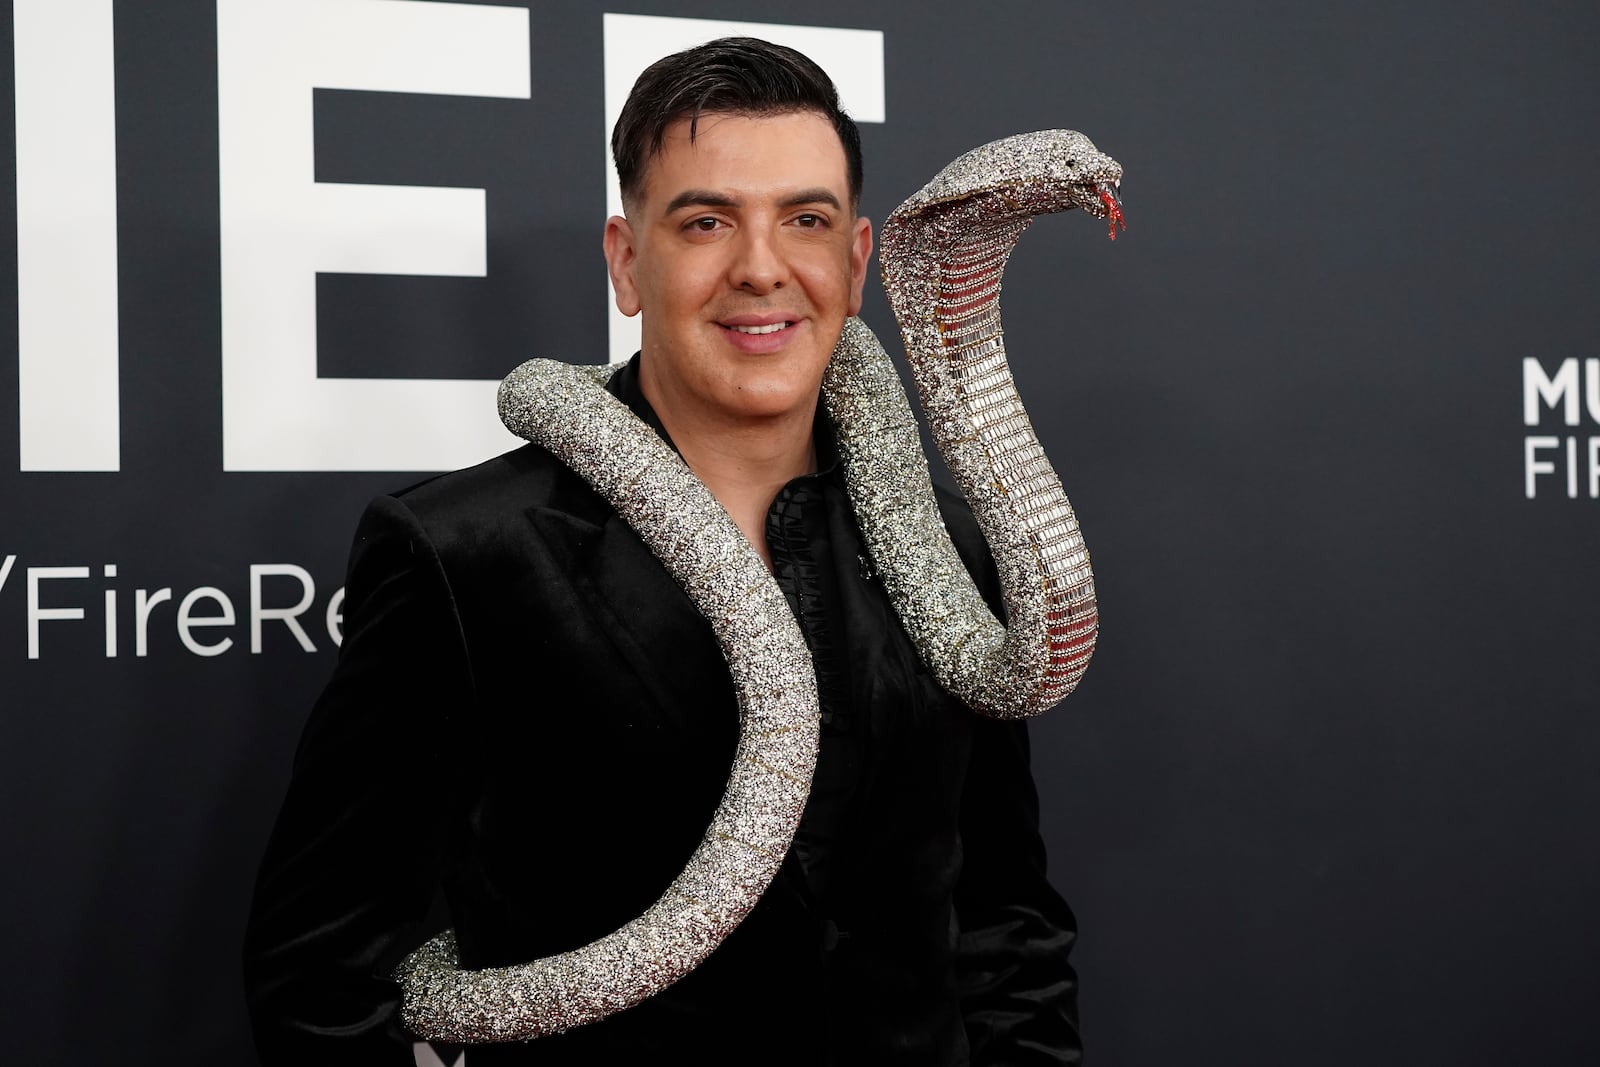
1018, 988
1019, 993
356, 855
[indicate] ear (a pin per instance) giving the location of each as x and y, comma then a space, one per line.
621, 257
860, 253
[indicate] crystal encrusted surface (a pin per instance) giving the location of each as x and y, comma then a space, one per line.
943, 254
566, 410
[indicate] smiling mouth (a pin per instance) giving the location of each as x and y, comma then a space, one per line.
771, 327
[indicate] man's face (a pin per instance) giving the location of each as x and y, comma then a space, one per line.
744, 256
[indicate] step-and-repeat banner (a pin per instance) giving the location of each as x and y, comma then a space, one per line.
1329, 411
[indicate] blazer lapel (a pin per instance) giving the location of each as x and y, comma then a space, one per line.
654, 628
649, 622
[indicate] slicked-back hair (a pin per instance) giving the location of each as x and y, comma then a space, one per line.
736, 76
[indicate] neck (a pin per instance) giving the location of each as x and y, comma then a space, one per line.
744, 462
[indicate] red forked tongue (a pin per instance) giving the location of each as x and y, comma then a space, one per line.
1113, 210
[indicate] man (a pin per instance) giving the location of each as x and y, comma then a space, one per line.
530, 718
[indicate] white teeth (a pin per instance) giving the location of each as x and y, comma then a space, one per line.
772, 327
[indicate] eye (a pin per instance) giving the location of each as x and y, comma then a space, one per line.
810, 221
704, 224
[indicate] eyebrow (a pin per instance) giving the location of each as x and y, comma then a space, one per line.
699, 198
707, 198
818, 195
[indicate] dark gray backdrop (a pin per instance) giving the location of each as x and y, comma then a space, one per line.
1328, 794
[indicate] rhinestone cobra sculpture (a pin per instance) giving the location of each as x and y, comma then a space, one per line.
943, 253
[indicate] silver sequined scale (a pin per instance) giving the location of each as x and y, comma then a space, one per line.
943, 253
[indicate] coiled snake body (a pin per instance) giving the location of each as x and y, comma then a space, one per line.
943, 254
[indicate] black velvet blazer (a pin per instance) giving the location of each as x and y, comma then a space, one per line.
530, 720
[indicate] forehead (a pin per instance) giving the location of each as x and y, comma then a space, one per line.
732, 152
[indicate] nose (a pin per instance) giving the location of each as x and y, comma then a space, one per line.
758, 264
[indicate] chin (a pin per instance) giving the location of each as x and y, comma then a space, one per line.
766, 406
771, 399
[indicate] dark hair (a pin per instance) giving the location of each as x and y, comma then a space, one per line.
734, 75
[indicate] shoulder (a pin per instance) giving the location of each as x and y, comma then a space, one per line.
970, 544
959, 521
508, 484
519, 475
479, 506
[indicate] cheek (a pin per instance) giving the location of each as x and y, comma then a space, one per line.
828, 276
684, 286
